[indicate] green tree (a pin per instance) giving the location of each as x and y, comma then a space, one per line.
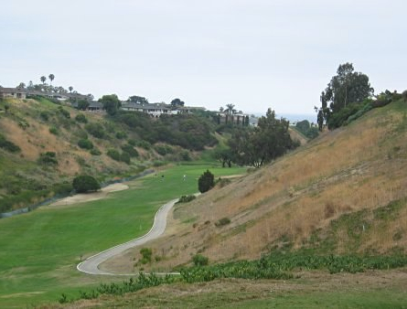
70, 88
111, 103
51, 77
83, 104
206, 181
346, 87
43, 79
230, 109
138, 100
177, 103
256, 146
85, 183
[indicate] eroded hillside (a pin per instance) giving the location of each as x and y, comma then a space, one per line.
343, 192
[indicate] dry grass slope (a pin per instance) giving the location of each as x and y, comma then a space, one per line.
308, 194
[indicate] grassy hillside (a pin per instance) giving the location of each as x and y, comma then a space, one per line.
51, 143
342, 193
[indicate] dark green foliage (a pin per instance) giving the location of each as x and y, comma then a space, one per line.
163, 149
125, 157
188, 131
143, 144
114, 154
206, 181
223, 221
121, 135
48, 158
95, 152
268, 141
306, 129
224, 155
339, 118
130, 150
62, 188
186, 199
7, 145
147, 254
85, 144
44, 116
85, 183
64, 112
96, 130
185, 155
111, 103
345, 89
83, 104
53, 130
200, 260
81, 118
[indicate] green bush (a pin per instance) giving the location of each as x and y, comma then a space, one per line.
147, 254
125, 157
200, 260
64, 112
163, 149
95, 152
114, 154
85, 144
48, 158
96, 130
53, 130
81, 118
223, 221
121, 135
143, 144
206, 182
186, 198
85, 183
130, 150
7, 145
44, 116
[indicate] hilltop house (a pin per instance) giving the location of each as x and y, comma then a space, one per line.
18, 93
158, 109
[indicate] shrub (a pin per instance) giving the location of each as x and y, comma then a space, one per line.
121, 135
64, 112
85, 183
44, 116
7, 145
147, 254
130, 150
95, 152
114, 154
223, 221
163, 149
206, 182
48, 158
186, 198
81, 118
200, 260
96, 130
125, 157
143, 144
85, 144
185, 155
53, 130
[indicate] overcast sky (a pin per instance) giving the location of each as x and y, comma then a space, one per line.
254, 54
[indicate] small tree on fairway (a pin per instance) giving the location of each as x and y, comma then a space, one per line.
85, 183
206, 181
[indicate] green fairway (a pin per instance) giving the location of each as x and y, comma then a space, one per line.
40, 250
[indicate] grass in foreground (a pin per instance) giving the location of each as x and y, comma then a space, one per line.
40, 250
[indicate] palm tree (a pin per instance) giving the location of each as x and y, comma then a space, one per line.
230, 108
51, 77
70, 88
43, 79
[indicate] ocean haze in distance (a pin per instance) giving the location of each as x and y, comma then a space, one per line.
253, 54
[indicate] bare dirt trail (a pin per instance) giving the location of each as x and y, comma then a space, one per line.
91, 264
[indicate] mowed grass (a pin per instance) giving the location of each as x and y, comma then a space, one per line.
39, 251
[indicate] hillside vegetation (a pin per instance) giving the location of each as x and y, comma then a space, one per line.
43, 145
343, 193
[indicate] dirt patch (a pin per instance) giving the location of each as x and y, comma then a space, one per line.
82, 198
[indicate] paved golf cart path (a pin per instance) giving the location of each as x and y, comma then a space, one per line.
91, 264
